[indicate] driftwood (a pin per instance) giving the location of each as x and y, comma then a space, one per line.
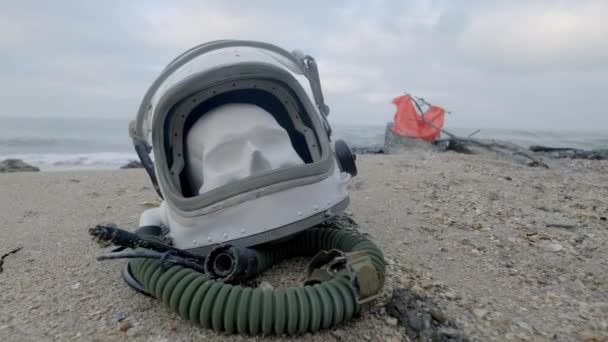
459, 144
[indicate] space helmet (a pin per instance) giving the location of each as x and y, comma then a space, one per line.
235, 138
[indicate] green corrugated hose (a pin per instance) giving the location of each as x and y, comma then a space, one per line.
223, 307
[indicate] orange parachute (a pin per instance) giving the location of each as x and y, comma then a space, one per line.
411, 122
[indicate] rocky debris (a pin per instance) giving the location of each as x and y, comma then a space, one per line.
452, 145
16, 165
422, 319
120, 316
133, 164
572, 153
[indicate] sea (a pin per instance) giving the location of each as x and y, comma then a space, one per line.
55, 144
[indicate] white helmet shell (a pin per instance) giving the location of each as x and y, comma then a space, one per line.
241, 144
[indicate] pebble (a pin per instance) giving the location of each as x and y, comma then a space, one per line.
391, 320
476, 251
426, 284
552, 247
125, 326
265, 286
451, 295
339, 334
438, 315
120, 316
480, 313
524, 326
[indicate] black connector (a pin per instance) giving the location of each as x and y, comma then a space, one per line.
231, 263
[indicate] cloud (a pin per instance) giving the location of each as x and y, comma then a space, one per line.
538, 35
493, 63
187, 27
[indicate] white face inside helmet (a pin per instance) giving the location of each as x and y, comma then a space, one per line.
241, 145
233, 142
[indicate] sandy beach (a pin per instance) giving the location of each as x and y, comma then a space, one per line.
507, 252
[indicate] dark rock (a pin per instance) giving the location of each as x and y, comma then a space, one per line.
423, 320
572, 153
581, 238
133, 164
394, 142
16, 165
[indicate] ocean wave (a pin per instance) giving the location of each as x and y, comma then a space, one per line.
60, 161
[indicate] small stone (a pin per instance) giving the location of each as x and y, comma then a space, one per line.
524, 326
451, 295
75, 286
477, 226
391, 321
389, 261
265, 286
438, 315
16, 165
120, 316
426, 284
476, 251
480, 313
417, 290
125, 326
552, 247
453, 333
339, 334
581, 238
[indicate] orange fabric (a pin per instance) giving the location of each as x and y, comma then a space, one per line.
410, 124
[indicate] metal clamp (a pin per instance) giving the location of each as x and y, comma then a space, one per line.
357, 266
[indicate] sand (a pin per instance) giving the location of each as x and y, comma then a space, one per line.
507, 251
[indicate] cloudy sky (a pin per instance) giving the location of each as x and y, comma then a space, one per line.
514, 64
